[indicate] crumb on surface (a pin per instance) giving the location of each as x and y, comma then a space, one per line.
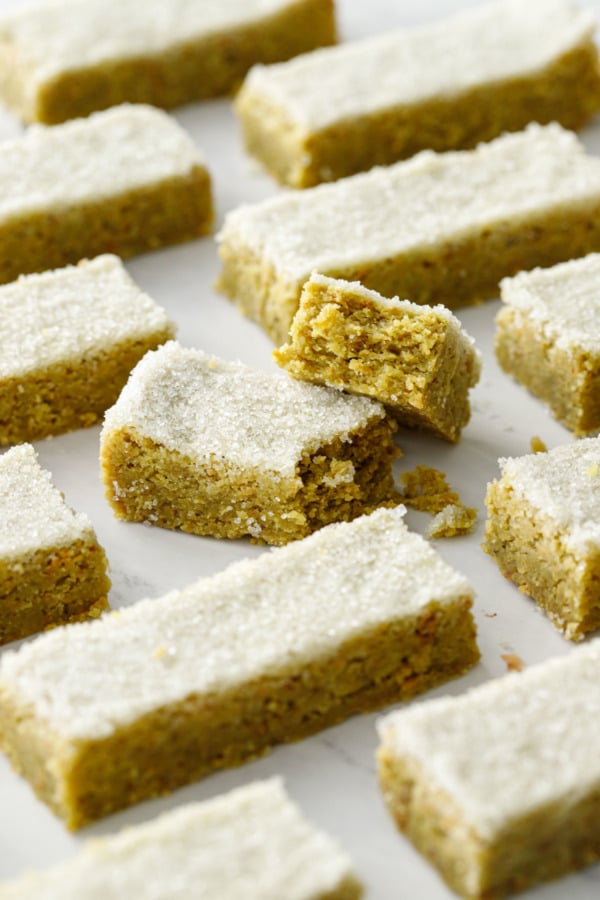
426, 489
513, 662
453, 520
537, 445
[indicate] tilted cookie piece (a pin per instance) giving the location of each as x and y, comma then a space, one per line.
438, 228
417, 360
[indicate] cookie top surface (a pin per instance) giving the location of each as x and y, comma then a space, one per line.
508, 747
33, 513
87, 160
563, 302
70, 313
252, 843
563, 484
60, 35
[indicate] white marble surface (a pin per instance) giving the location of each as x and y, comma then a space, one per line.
332, 775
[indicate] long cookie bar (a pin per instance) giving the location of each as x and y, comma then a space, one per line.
216, 448
342, 110
52, 569
53, 66
416, 360
498, 788
268, 651
548, 338
125, 181
252, 842
543, 530
68, 341
439, 228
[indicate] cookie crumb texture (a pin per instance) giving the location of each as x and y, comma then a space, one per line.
216, 448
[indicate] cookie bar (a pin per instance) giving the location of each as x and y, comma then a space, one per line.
52, 569
548, 338
68, 341
416, 360
344, 109
53, 66
213, 447
252, 842
498, 788
438, 228
543, 530
267, 651
125, 181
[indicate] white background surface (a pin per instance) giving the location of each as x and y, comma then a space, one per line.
332, 776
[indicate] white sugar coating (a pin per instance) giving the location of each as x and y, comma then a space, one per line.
252, 843
506, 748
208, 409
33, 514
563, 302
270, 616
563, 484
57, 36
417, 204
70, 313
501, 40
418, 310
87, 160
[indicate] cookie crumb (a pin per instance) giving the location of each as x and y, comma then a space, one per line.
513, 662
453, 520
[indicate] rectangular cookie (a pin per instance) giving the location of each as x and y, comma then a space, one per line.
213, 447
416, 360
251, 843
548, 338
53, 66
267, 651
498, 788
125, 181
543, 530
438, 228
68, 341
52, 569
445, 85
